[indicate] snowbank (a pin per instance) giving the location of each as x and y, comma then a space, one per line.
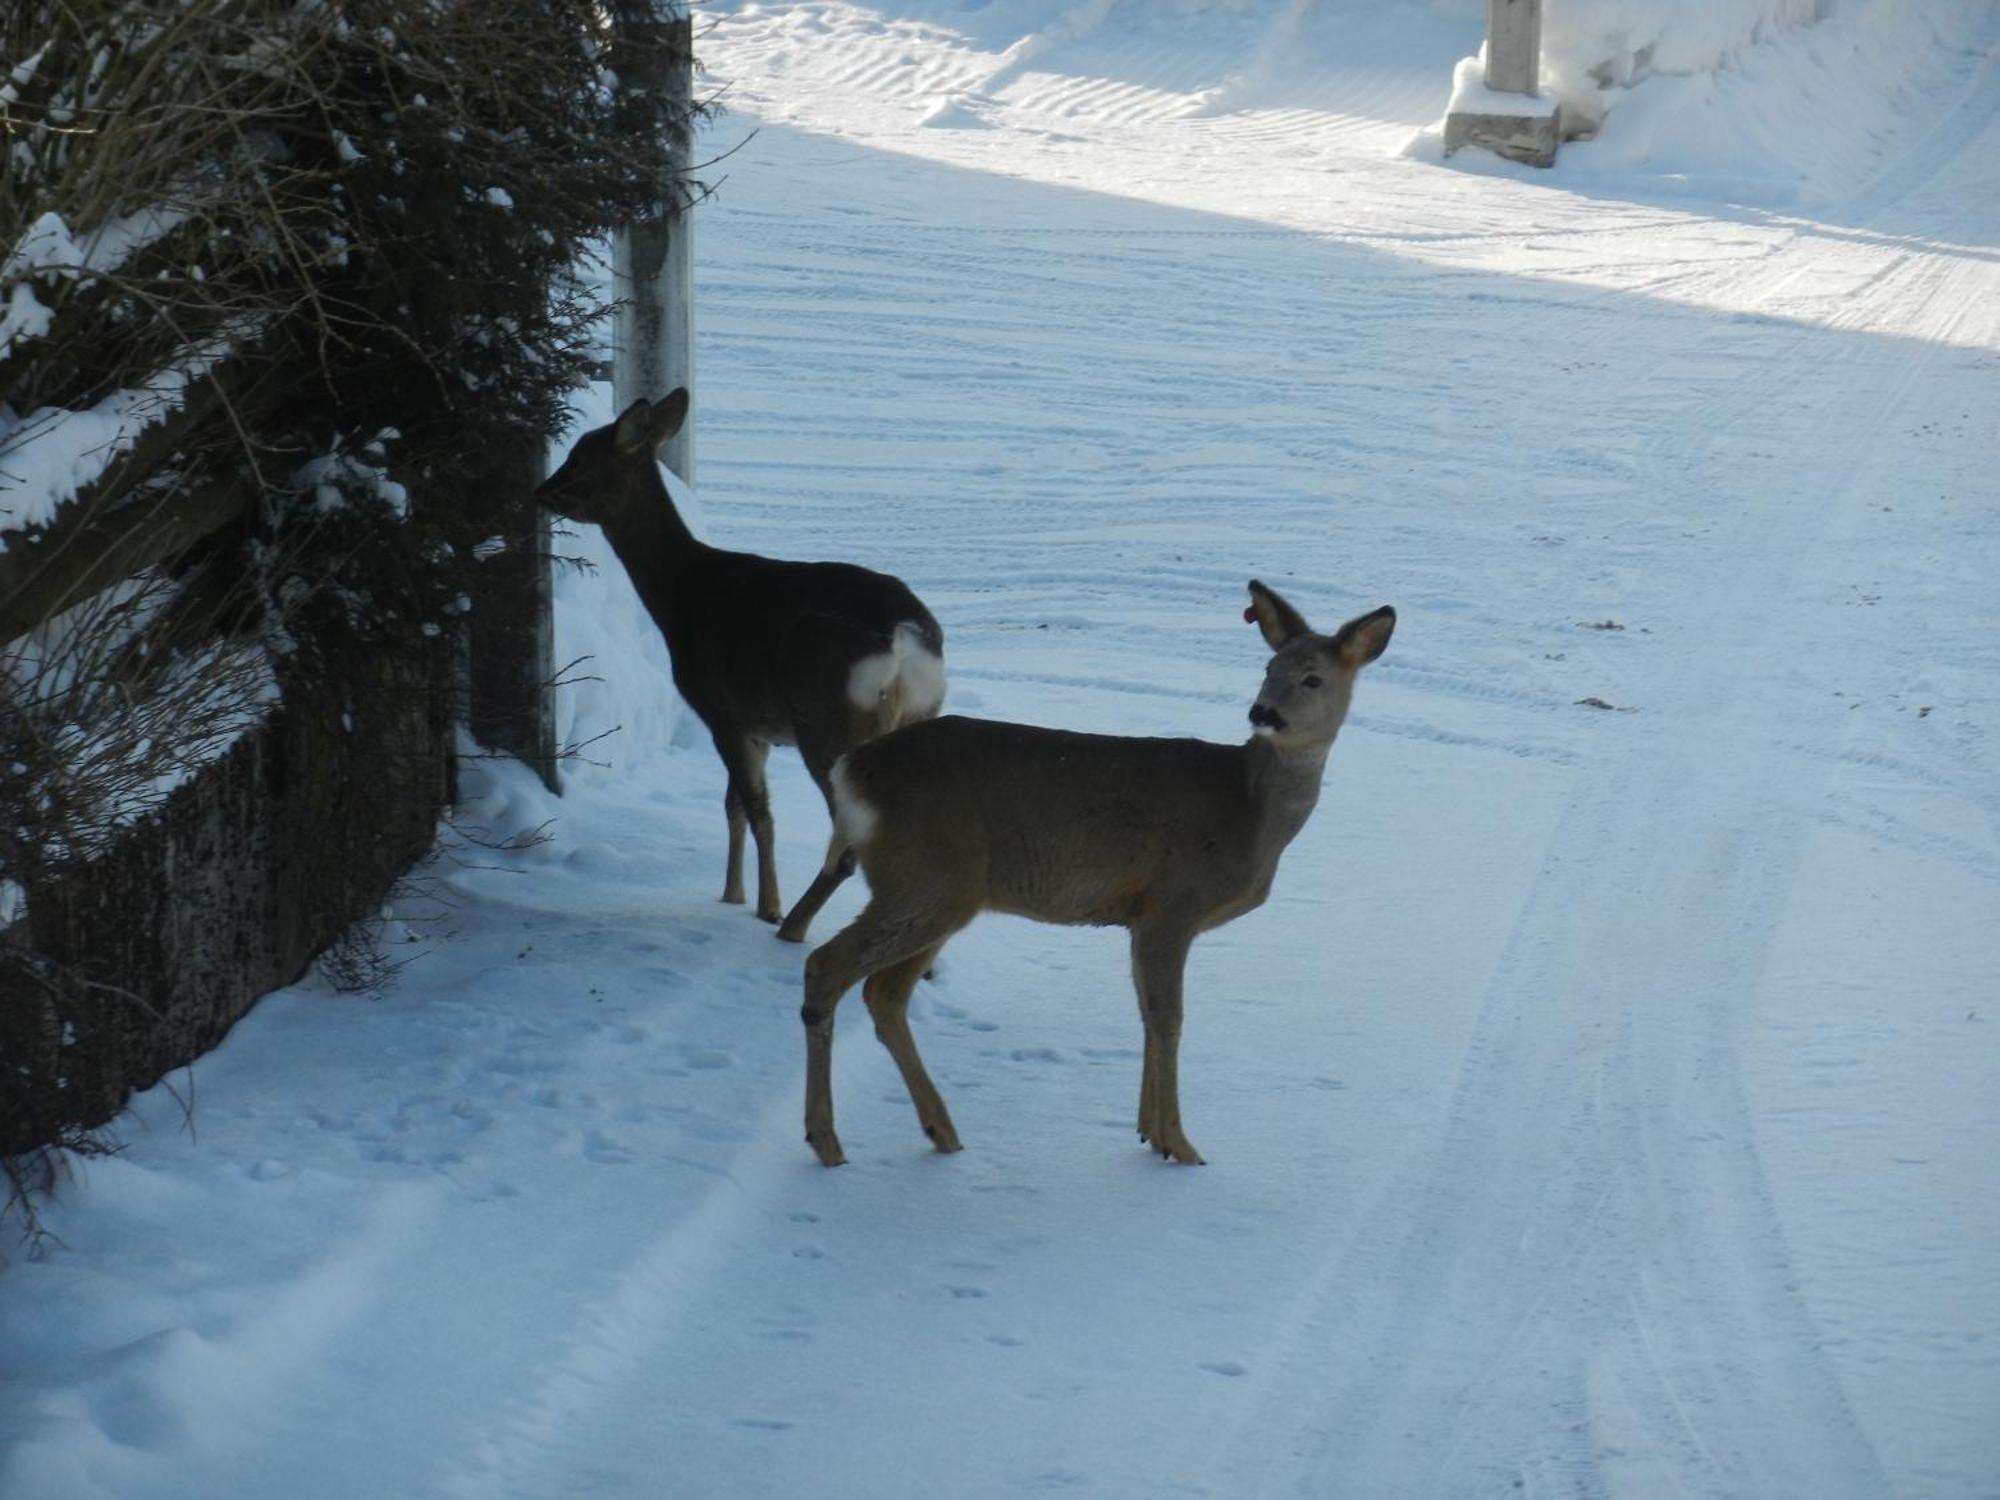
1762, 101
1617, 43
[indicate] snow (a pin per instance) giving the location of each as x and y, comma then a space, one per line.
47, 248
1765, 101
53, 453
49, 454
1604, 1104
1470, 95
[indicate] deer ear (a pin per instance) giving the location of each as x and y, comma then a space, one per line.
667, 417
1277, 619
1361, 640
631, 428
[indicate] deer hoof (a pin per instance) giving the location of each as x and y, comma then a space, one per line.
944, 1138
1177, 1147
828, 1151
787, 933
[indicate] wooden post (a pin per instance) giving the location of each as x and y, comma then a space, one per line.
510, 636
1514, 46
652, 260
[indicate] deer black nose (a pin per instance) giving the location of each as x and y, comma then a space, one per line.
1268, 718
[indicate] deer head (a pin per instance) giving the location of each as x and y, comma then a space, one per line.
1310, 680
612, 469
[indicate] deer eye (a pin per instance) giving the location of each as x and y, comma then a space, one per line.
1312, 680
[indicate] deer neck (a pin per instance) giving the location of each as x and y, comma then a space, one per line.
1284, 789
656, 547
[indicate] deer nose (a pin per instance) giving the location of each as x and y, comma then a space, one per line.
1266, 718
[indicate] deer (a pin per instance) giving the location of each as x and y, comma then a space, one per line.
819, 655
1167, 838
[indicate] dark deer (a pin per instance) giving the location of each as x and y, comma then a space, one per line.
821, 655
1164, 837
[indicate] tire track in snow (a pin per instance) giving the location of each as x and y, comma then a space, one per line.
1597, 1186
528, 1452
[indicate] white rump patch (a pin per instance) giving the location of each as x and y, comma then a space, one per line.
907, 670
853, 819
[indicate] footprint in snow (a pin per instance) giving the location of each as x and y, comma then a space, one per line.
606, 1152
1224, 1367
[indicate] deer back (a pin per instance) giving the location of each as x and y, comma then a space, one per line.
1055, 825
781, 648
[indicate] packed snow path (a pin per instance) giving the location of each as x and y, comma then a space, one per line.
1605, 1102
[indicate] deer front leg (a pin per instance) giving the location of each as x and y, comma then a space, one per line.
748, 801
732, 875
1159, 959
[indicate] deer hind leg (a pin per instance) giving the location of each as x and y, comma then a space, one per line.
871, 943
1159, 959
839, 862
887, 992
838, 866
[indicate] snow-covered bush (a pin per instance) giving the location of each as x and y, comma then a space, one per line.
282, 286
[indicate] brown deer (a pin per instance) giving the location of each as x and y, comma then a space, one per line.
821, 655
1164, 837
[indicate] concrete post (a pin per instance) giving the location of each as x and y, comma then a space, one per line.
1514, 46
1502, 109
652, 259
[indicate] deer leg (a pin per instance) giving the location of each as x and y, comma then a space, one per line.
1159, 959
749, 800
732, 875
870, 943
887, 992
1147, 1081
839, 862
838, 866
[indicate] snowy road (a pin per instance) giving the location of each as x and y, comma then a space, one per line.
1605, 1103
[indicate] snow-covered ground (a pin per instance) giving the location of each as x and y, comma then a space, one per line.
1605, 1103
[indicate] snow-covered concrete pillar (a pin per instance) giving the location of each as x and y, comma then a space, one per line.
1500, 106
652, 259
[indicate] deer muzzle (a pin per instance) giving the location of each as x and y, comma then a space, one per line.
1266, 718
